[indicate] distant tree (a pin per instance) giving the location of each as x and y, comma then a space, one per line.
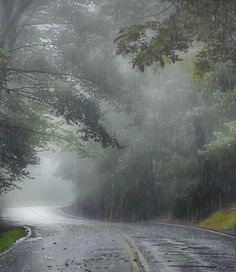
174, 162
209, 27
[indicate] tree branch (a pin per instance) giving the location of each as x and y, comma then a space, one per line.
27, 95
37, 45
45, 23
46, 134
160, 13
56, 74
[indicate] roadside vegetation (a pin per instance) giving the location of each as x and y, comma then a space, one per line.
177, 119
9, 237
141, 141
223, 219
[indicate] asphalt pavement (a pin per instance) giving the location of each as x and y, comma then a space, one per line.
61, 242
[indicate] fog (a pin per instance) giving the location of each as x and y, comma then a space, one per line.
134, 100
43, 188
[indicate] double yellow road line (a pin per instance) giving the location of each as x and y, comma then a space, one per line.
137, 259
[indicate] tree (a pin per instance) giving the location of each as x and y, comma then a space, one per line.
34, 85
209, 24
169, 168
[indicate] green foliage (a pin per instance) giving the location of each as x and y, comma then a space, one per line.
21, 134
224, 143
179, 155
4, 56
209, 22
174, 161
39, 85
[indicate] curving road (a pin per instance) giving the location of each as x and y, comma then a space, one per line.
61, 242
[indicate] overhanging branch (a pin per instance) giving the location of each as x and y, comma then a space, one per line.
85, 153
60, 74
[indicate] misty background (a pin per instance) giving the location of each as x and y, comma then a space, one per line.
125, 143
43, 188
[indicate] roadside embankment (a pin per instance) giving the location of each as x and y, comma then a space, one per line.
223, 220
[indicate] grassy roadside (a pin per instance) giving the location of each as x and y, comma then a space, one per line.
9, 237
224, 219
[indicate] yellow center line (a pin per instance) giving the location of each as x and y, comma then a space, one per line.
137, 259
133, 256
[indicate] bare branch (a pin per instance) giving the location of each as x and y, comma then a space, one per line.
38, 45
44, 23
28, 96
158, 14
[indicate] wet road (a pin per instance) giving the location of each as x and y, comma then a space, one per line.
60, 242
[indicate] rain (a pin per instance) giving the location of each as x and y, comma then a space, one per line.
117, 135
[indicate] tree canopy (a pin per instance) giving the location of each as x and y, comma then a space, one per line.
60, 79
38, 81
180, 129
208, 25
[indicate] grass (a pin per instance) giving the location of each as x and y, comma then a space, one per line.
222, 219
9, 237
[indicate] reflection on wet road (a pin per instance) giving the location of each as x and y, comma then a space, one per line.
61, 242
64, 243
169, 248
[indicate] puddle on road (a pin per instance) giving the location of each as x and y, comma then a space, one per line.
34, 239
